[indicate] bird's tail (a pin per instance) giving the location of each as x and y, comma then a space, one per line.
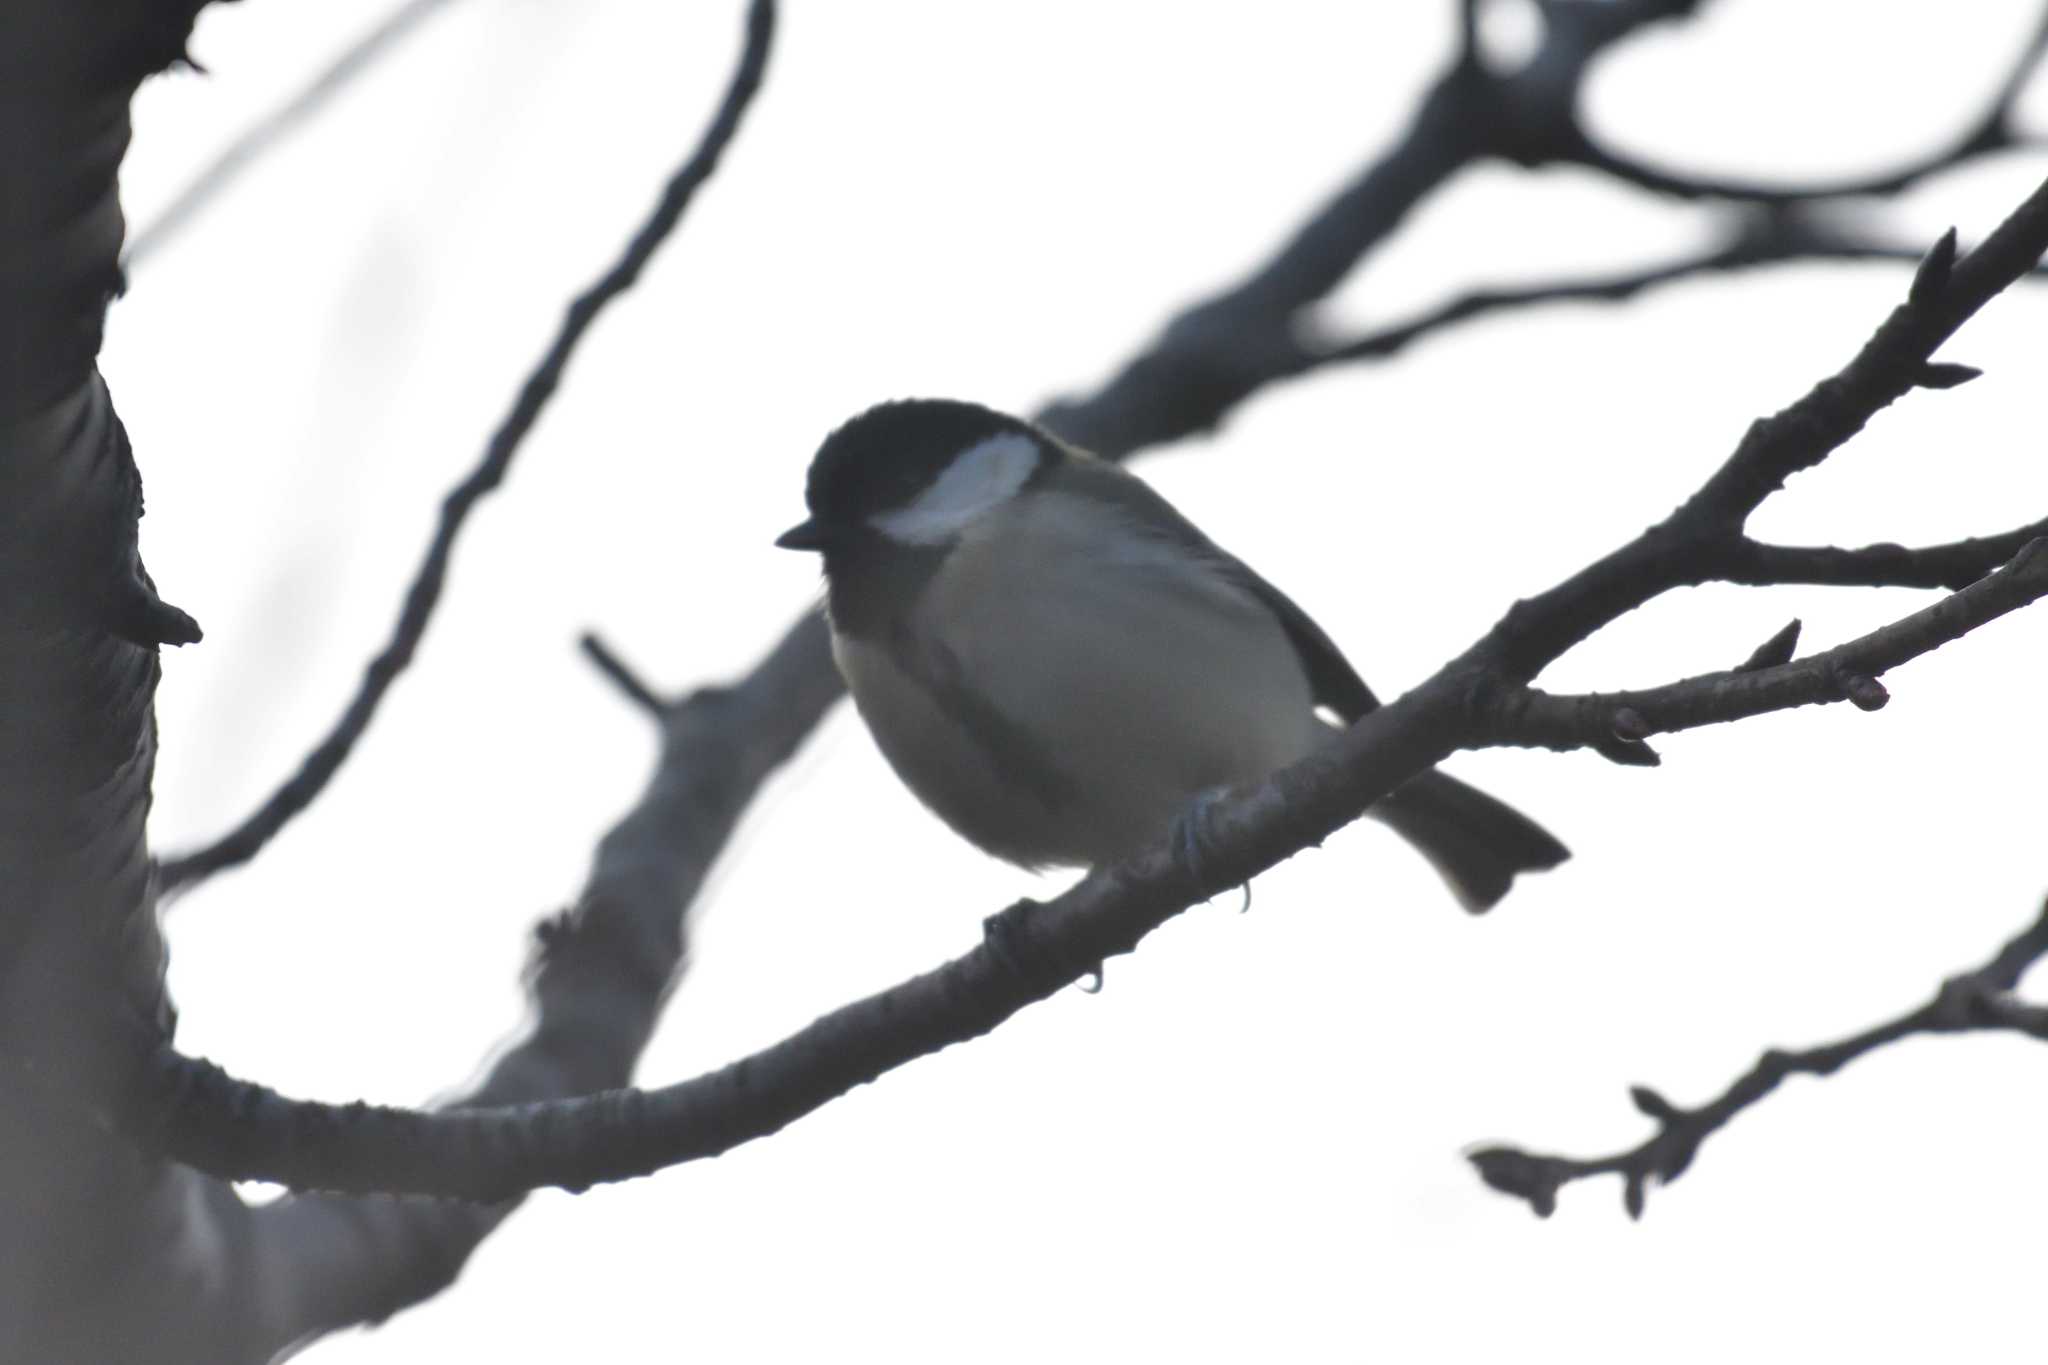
1477, 843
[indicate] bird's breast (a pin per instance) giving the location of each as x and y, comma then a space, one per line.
1063, 686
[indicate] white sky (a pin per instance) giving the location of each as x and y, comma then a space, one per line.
1249, 1144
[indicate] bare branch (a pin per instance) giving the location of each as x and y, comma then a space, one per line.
1975, 1002
1702, 540
1953, 565
273, 128
243, 842
1848, 672
1222, 349
1772, 238
601, 975
197, 1114
1992, 132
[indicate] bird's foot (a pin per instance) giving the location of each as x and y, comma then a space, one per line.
1008, 934
1192, 842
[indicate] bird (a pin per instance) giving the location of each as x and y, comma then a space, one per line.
1060, 665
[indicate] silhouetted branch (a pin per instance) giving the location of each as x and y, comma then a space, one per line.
1848, 672
272, 129
1994, 131
321, 1261
1769, 238
1953, 565
601, 974
243, 842
1213, 354
199, 1115
1975, 1002
1703, 540
1222, 349
621, 676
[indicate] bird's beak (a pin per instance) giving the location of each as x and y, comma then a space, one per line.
805, 535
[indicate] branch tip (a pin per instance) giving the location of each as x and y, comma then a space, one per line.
621, 675
1930, 281
1651, 1104
1774, 651
1940, 374
1510, 1170
1629, 753
2023, 562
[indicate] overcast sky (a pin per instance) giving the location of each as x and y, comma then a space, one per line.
1249, 1144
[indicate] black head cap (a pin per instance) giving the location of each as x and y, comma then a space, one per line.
882, 459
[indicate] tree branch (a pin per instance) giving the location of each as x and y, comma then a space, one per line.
1848, 672
620, 675
1975, 1002
1210, 357
246, 839
1954, 565
201, 1116
1702, 540
1224, 348
1774, 237
1993, 131
601, 975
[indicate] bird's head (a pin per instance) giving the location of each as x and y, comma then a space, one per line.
915, 474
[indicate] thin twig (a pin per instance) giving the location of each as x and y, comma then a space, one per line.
1975, 1002
1848, 672
1953, 565
1225, 347
600, 977
1993, 131
242, 843
271, 130
1775, 238
621, 675
1702, 541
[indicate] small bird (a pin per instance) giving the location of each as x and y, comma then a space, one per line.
1059, 664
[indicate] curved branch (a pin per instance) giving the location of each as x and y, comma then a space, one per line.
1975, 1002
245, 840
199, 1115
1993, 131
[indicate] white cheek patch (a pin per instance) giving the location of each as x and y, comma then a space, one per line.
981, 478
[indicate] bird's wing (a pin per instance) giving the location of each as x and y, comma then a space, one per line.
1006, 745
1333, 681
